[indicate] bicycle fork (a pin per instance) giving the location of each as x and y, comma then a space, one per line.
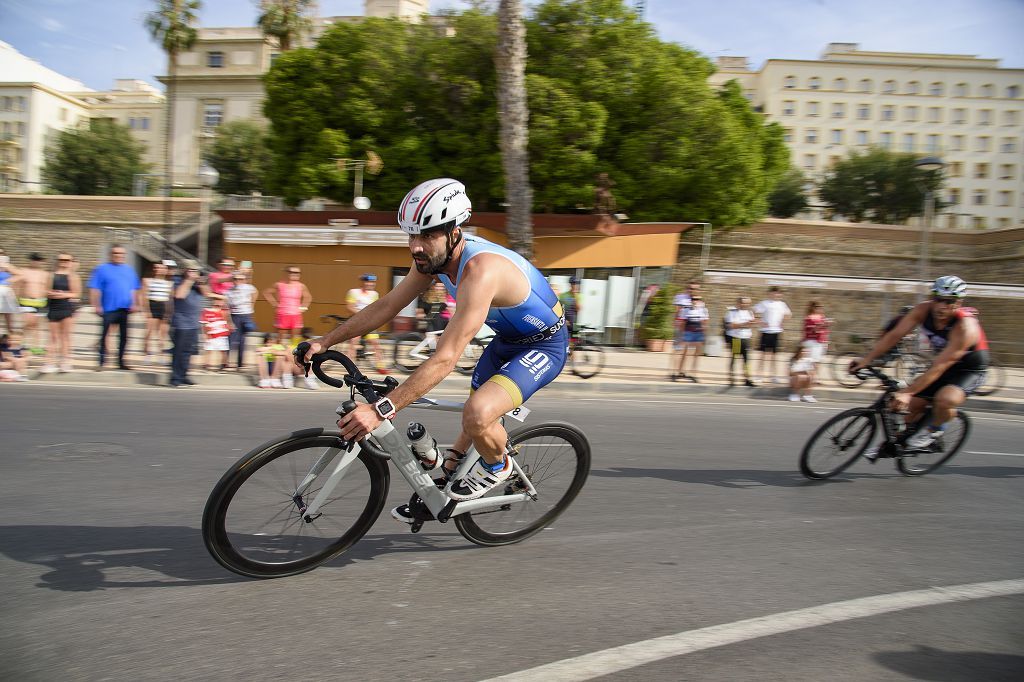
311, 512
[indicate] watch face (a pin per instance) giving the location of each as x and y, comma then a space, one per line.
385, 408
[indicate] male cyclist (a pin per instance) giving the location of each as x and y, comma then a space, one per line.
958, 369
490, 284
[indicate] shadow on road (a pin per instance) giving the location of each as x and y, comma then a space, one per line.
980, 472
928, 663
88, 558
727, 478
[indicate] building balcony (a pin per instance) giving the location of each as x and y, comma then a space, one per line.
9, 140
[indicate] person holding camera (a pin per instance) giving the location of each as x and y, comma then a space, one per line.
190, 292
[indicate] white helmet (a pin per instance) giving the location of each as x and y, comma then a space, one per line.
434, 204
950, 285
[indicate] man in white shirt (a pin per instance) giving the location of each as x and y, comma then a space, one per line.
739, 323
773, 313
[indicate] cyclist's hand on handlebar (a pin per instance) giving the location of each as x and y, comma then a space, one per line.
855, 365
359, 422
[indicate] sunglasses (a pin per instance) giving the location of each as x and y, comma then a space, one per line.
63, 260
294, 272
945, 299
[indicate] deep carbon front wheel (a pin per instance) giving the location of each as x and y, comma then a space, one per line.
253, 525
920, 462
556, 459
837, 443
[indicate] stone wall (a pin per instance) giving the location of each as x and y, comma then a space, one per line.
845, 250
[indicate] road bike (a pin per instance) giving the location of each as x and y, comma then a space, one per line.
297, 502
365, 352
842, 439
412, 349
586, 358
906, 366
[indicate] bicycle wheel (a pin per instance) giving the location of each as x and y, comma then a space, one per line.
556, 458
252, 526
404, 344
995, 379
587, 360
840, 373
838, 442
470, 356
909, 366
921, 462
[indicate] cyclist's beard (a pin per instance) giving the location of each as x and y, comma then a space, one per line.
431, 264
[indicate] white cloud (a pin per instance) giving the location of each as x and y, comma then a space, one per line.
51, 24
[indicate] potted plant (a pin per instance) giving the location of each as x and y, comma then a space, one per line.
657, 325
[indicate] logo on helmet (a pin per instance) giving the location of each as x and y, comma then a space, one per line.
414, 200
451, 195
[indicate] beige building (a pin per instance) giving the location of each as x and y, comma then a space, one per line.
221, 79
138, 106
964, 109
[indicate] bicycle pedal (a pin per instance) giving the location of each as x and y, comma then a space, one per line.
415, 527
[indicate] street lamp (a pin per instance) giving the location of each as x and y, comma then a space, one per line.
208, 177
928, 164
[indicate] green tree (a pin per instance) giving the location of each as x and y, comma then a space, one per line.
285, 20
98, 160
241, 156
788, 197
878, 185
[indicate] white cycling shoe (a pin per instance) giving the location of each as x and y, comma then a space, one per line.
478, 481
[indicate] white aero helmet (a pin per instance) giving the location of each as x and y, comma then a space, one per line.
950, 285
434, 204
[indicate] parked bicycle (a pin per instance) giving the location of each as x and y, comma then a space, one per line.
364, 351
586, 357
906, 366
412, 349
842, 439
297, 502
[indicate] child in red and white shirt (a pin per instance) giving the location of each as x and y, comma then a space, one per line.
217, 330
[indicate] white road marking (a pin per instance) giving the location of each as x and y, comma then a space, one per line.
619, 658
1001, 454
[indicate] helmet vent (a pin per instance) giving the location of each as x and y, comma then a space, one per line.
426, 219
444, 213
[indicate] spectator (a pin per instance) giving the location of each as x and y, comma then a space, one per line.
241, 301
156, 292
114, 291
682, 299
223, 279
773, 313
9, 307
13, 358
33, 283
189, 291
434, 307
801, 376
739, 323
63, 297
291, 369
571, 304
273, 361
694, 328
816, 332
356, 300
289, 298
216, 324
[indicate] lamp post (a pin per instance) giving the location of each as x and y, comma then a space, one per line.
208, 177
928, 164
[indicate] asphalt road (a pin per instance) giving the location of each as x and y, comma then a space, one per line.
694, 516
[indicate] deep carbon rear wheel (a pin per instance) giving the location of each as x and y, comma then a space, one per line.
556, 458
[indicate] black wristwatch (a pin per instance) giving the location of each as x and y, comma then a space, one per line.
385, 408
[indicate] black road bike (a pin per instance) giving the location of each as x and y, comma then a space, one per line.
586, 358
842, 439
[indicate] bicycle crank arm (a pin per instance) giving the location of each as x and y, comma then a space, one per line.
454, 508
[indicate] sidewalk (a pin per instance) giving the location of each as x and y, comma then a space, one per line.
627, 373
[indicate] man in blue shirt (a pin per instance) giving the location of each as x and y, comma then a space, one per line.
114, 292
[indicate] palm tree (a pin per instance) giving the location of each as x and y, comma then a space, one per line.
285, 20
171, 24
513, 113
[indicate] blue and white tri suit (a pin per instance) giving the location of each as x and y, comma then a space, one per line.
531, 343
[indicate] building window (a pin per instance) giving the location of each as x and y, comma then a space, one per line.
862, 137
954, 196
885, 139
934, 115
936, 89
21, 129
959, 116
913, 88
932, 144
909, 142
1004, 222
987, 90
811, 136
812, 108
863, 112
1013, 92
839, 84
1006, 171
836, 136
213, 114
864, 85
983, 144
960, 90
131, 123
1009, 118
956, 169
910, 114
889, 87
838, 110
787, 135
984, 117
814, 83
810, 161
788, 107
1005, 198
1008, 146
5, 103
144, 123
981, 171
215, 60
789, 82
978, 222
980, 197
888, 113
956, 143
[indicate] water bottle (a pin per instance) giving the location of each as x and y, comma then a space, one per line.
423, 446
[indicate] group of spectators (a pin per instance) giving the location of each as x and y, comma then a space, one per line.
738, 324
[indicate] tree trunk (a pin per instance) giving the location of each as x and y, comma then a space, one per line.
172, 63
513, 114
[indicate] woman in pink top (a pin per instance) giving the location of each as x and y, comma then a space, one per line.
289, 298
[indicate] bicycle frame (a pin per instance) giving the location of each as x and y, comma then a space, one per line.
396, 445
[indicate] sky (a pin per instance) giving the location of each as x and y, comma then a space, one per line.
96, 41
